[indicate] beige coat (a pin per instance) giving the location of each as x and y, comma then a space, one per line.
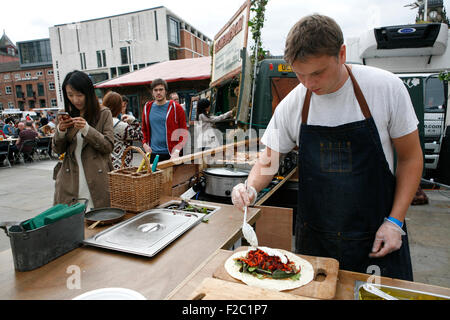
96, 157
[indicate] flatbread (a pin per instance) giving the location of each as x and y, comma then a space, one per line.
306, 273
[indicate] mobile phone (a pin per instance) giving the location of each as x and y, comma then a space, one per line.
65, 115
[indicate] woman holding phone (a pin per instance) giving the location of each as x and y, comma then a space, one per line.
85, 135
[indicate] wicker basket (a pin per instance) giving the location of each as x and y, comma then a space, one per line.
132, 191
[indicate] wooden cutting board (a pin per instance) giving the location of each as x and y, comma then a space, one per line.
323, 286
216, 289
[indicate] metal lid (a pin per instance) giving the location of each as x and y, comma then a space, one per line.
226, 172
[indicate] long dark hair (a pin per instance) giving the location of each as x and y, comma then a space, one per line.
202, 105
81, 82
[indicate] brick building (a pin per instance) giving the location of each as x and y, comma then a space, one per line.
192, 43
28, 83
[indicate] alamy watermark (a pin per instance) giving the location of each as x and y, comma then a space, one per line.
74, 280
213, 138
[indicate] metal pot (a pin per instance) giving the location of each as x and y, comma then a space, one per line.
220, 181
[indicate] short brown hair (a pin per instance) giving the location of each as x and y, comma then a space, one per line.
158, 82
113, 101
313, 35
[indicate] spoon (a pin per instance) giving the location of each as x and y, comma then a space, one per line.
247, 230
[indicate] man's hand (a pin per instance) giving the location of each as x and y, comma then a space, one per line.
241, 196
175, 154
147, 148
387, 239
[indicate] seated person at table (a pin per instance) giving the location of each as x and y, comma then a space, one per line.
28, 133
8, 128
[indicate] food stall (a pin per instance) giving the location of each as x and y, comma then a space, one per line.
170, 274
177, 249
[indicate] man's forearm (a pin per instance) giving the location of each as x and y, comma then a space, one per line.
407, 181
263, 171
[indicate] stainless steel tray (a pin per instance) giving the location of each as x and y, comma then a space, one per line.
396, 292
147, 233
212, 209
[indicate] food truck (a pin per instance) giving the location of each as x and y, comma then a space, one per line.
417, 54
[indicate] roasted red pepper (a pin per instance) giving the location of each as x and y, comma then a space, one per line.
260, 259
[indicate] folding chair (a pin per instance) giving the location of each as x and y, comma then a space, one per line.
27, 150
43, 146
4, 151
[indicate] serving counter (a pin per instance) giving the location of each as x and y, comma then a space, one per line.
88, 268
345, 286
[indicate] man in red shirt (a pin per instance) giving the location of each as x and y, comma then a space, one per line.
163, 124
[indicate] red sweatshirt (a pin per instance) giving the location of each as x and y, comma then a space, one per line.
175, 119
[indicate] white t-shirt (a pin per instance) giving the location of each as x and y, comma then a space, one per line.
386, 95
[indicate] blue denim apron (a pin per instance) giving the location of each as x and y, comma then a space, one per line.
346, 189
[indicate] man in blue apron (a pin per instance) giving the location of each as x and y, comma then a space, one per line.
346, 121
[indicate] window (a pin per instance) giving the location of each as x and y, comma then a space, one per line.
50, 72
1, 106
174, 31
31, 104
6, 76
123, 70
17, 76
30, 92
38, 73
434, 93
51, 86
8, 90
40, 87
172, 53
113, 72
53, 103
27, 74
10, 104
125, 55
36, 52
83, 60
156, 26
101, 58
42, 103
19, 93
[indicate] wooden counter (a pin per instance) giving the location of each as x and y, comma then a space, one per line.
344, 290
93, 268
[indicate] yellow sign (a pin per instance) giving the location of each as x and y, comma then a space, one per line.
284, 68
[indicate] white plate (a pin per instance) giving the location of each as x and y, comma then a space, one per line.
111, 294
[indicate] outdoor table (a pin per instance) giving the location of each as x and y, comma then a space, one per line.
98, 268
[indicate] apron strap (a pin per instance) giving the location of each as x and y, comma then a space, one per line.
306, 103
358, 93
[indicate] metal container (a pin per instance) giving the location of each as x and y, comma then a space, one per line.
398, 293
171, 205
146, 233
32, 249
220, 181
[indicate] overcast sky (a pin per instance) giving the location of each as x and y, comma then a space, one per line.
28, 20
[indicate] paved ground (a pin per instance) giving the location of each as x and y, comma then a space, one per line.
27, 189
